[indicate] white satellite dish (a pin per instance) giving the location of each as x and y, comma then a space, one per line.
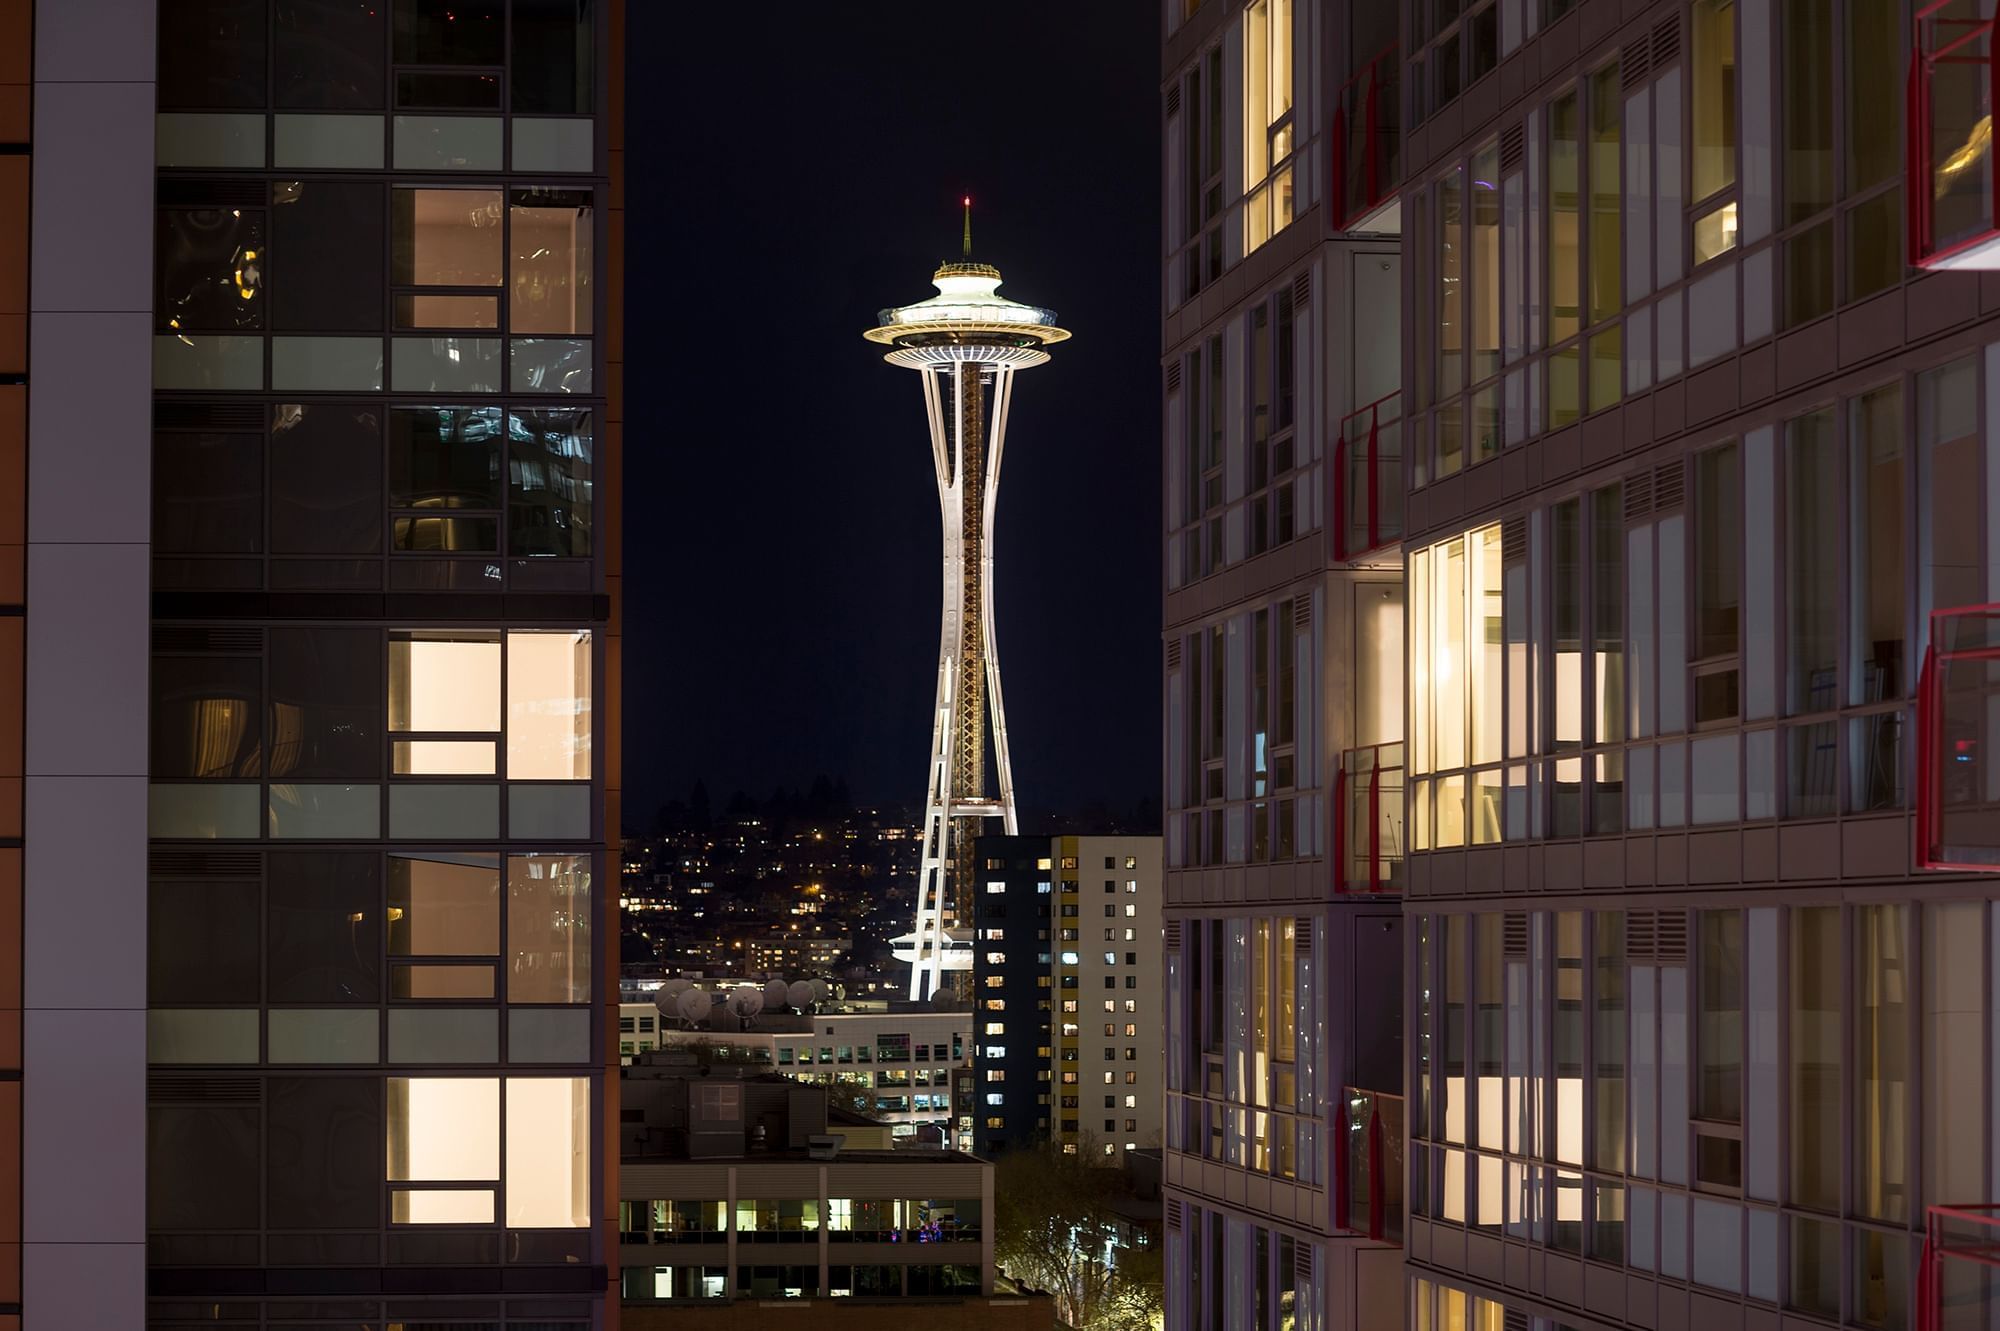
775, 992
820, 991
694, 1005
678, 985
800, 994
747, 1001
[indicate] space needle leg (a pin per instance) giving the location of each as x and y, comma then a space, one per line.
1003, 393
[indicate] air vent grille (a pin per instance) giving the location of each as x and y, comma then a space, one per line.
211, 193
1513, 540
1174, 101
1302, 288
200, 638
1173, 1213
1513, 148
1638, 495
1669, 486
188, 1088
1633, 71
1173, 654
207, 416
1666, 41
1173, 935
1302, 613
1514, 933
1174, 377
203, 864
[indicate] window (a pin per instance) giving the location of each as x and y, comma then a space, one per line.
209, 270
1719, 998
323, 927
548, 705
1815, 1062
1267, 120
1201, 176
444, 1130
212, 54
1712, 76
1718, 545
548, 927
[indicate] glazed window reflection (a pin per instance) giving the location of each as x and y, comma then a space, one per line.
210, 269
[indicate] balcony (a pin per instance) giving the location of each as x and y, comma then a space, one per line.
1958, 1284
1952, 194
1958, 725
1369, 841
1367, 144
1368, 478
1368, 1179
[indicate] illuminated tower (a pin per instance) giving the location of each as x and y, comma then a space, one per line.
966, 342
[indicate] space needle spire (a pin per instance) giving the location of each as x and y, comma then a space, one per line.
966, 342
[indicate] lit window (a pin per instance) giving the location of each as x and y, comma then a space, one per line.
1267, 120
1131, 862
548, 1152
548, 705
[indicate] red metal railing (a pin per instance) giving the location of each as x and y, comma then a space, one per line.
1368, 478
1368, 1164
1952, 48
1958, 692
1368, 828
1959, 1277
1367, 138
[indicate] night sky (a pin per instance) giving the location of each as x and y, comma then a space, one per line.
786, 178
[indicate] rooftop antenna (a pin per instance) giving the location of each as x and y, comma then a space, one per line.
968, 228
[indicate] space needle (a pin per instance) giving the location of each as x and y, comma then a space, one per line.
966, 343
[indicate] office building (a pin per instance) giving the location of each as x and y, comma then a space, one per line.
1066, 994
309, 419
1283, 666
740, 1191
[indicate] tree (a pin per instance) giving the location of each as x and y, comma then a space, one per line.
1056, 1228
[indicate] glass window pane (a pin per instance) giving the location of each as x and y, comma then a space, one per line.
548, 813
325, 701
223, 139
1606, 217
1951, 516
207, 811
204, 943
209, 268
557, 145
430, 90
208, 493
445, 364
1812, 770
1815, 1272
444, 1035
202, 1170
549, 482
444, 757
418, 982
547, 1035
550, 365
1713, 62
449, 32
205, 717
548, 1152
444, 681
550, 270
416, 312
1817, 985
1718, 540
554, 41
1484, 251
1812, 573
548, 705
441, 1206
1875, 496
1607, 613
1719, 998
327, 141
326, 812
1881, 1062
444, 457
1565, 235
1715, 779
211, 53
328, 55
444, 905
325, 927
325, 1035
447, 143
548, 928
1872, 98
326, 364
201, 1035
434, 811
327, 239
1808, 274
448, 237
1451, 282
326, 479
1806, 83
323, 1145
444, 1129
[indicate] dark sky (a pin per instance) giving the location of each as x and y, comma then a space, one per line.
786, 178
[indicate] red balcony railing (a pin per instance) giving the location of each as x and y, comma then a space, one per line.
1958, 735
1952, 192
1958, 1283
1368, 1164
1369, 845
1368, 478
1367, 139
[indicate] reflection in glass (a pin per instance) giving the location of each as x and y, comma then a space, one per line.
448, 237
444, 681
1881, 1062
548, 928
549, 482
210, 264
549, 273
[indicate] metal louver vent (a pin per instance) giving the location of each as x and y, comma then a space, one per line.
1173, 935
1633, 68
1302, 288
1514, 933
191, 1088
1302, 613
1515, 1320
1513, 147
1638, 495
1639, 935
1302, 1261
1174, 377
1669, 486
197, 638
1666, 41
1173, 653
1670, 935
1513, 540
207, 416
1303, 943
203, 863
1174, 100
1173, 1213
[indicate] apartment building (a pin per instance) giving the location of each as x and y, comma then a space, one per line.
1066, 994
1283, 641
309, 407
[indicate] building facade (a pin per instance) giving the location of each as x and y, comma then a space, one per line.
313, 773
1283, 669
1694, 456
1066, 985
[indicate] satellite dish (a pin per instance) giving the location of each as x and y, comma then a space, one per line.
840, 992
694, 1004
800, 994
747, 1001
775, 992
678, 985
820, 991
663, 999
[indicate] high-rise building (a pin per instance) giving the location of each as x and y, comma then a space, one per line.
1066, 994
1693, 488
309, 772
966, 343
1283, 668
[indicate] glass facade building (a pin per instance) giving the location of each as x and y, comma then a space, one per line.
322, 430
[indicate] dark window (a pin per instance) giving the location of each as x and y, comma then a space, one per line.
328, 236
329, 55
443, 460
201, 1167
325, 912
553, 41
548, 482
324, 1147
326, 479
449, 32
326, 704
205, 716
211, 54
209, 265
207, 490
203, 943
447, 92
